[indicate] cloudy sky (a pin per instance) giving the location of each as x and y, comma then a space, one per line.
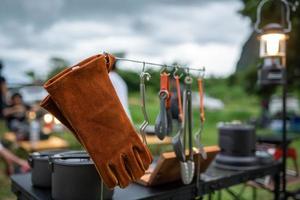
195, 32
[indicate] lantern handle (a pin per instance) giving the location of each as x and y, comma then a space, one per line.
287, 15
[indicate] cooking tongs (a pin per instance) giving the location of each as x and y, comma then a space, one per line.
187, 165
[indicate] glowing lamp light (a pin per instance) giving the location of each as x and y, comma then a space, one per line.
48, 118
272, 44
273, 41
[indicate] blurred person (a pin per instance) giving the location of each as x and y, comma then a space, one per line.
4, 95
121, 88
12, 160
15, 115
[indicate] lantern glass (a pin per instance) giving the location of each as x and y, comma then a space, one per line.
272, 45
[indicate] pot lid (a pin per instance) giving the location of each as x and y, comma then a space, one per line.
77, 158
45, 154
235, 126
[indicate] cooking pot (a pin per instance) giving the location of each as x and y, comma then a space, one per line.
41, 172
74, 177
237, 143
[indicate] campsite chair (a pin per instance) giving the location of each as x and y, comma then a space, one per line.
292, 175
291, 154
272, 144
267, 142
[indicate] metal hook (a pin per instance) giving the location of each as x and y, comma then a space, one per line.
176, 67
164, 70
144, 76
188, 79
201, 73
144, 66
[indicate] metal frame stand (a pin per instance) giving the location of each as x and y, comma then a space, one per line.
284, 129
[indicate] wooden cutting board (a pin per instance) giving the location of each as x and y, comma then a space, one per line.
167, 168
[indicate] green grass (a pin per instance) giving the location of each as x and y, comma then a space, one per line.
238, 106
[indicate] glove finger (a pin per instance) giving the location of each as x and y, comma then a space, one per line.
120, 172
108, 177
143, 156
133, 166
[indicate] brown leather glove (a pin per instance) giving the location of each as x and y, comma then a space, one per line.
49, 105
87, 100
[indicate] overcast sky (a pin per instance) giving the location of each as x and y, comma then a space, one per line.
195, 32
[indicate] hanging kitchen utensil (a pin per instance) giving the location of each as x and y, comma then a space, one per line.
202, 117
163, 123
177, 80
187, 165
166, 82
200, 147
144, 76
177, 140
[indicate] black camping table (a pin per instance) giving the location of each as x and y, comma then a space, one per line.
212, 180
276, 139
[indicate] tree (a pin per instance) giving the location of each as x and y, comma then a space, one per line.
31, 74
35, 79
57, 65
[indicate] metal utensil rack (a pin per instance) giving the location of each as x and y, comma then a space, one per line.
202, 69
